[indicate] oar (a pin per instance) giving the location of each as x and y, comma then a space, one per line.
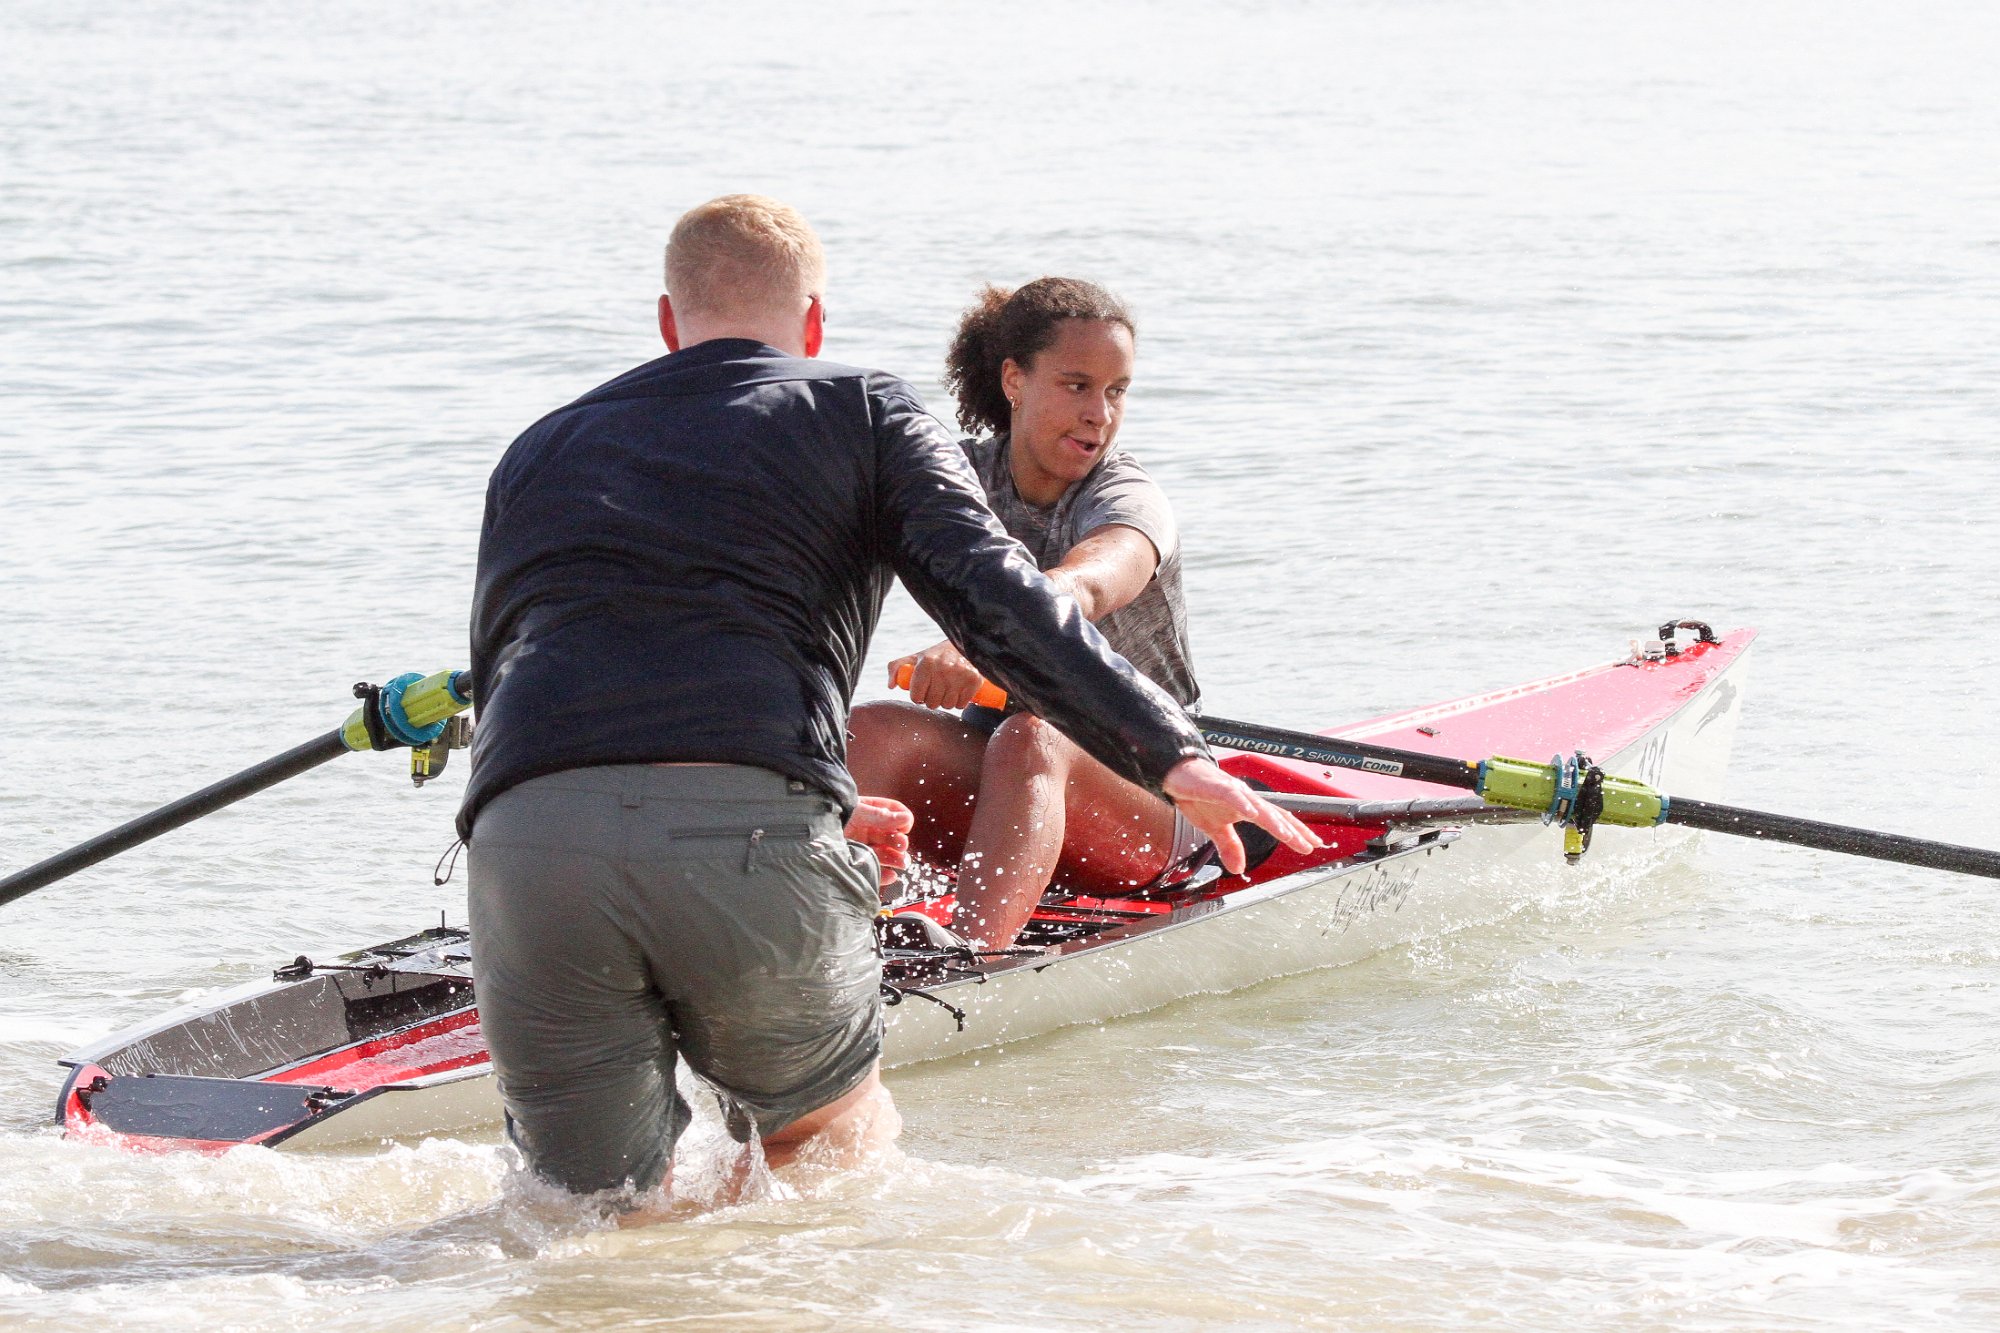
1554, 788
410, 710
1423, 810
1580, 795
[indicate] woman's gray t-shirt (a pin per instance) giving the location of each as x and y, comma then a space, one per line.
1150, 631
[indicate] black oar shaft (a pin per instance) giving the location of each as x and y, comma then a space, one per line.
1336, 753
1834, 837
174, 814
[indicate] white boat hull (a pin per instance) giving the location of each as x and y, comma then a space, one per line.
1305, 922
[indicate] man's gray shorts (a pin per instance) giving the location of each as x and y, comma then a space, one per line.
622, 916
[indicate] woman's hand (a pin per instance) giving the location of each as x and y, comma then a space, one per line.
883, 825
1213, 802
940, 677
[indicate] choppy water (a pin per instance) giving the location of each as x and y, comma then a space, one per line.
1475, 338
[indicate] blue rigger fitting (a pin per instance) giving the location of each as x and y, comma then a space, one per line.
398, 721
1569, 777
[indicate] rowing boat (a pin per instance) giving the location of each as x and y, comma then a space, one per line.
385, 1044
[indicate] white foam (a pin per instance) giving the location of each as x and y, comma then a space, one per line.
21, 1029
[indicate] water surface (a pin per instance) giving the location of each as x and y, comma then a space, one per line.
1474, 340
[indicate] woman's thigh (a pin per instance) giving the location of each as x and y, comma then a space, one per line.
925, 758
1117, 835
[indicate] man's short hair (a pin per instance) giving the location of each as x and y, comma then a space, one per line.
744, 254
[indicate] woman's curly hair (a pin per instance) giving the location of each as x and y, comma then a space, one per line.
1017, 324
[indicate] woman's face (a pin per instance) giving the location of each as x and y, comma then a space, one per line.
1068, 401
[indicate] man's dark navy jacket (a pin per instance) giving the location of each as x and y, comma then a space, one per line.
686, 564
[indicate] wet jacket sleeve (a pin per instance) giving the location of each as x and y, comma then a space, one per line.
979, 584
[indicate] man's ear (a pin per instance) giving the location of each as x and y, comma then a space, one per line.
668, 329
815, 326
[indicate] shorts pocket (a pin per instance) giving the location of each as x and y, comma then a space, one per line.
749, 848
854, 871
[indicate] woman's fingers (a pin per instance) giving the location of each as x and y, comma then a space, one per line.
942, 678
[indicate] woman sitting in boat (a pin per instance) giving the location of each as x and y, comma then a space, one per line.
1041, 375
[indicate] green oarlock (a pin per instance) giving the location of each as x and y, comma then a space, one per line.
1523, 785
432, 700
424, 703
1517, 783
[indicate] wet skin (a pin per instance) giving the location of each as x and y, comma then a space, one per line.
1015, 810
1028, 804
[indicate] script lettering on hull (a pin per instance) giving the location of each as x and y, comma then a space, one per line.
1381, 891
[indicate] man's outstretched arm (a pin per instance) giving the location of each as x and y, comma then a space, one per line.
979, 584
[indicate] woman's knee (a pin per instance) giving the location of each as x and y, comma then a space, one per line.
1026, 744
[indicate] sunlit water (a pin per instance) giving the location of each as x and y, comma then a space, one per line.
1475, 338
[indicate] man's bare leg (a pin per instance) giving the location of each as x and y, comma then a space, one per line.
846, 1133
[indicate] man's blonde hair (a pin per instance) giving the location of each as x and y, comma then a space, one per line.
744, 254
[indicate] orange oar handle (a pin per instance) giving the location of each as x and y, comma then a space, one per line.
989, 696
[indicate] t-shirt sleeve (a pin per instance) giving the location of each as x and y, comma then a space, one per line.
1128, 497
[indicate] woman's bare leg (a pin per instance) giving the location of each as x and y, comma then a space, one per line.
928, 760
1044, 802
1119, 836
1013, 810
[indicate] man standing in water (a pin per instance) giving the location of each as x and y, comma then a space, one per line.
679, 574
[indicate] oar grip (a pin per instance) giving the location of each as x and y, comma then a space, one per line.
989, 695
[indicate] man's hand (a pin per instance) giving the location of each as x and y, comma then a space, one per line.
940, 677
1213, 802
883, 825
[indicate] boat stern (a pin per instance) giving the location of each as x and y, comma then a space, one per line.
172, 1113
